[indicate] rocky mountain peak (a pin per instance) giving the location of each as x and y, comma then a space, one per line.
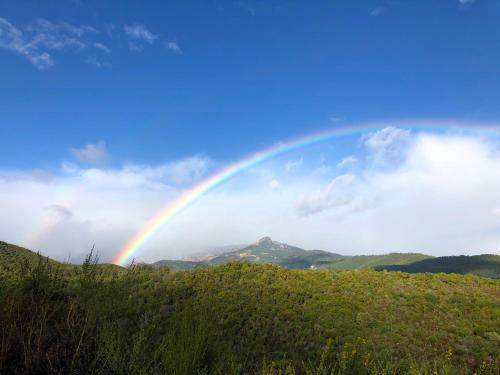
268, 243
265, 241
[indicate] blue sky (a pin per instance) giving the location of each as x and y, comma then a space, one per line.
108, 110
248, 72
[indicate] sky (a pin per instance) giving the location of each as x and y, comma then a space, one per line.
111, 110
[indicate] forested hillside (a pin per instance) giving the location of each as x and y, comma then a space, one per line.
245, 318
483, 265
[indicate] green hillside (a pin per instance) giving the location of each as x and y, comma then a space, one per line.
179, 265
245, 318
482, 265
369, 261
12, 255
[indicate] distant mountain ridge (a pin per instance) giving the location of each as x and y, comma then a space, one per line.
267, 250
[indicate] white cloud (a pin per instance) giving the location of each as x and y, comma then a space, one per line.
71, 212
349, 160
466, 1
439, 198
187, 170
386, 144
293, 164
13, 39
323, 170
179, 172
274, 185
101, 47
59, 212
50, 218
337, 193
92, 154
37, 41
140, 33
68, 213
173, 46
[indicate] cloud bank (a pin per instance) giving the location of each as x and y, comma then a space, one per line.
438, 195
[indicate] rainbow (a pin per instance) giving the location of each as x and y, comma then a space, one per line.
203, 187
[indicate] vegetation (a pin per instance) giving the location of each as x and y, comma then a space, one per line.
12, 255
244, 318
179, 265
483, 265
369, 261
267, 251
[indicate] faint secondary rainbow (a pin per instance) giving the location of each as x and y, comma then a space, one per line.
191, 195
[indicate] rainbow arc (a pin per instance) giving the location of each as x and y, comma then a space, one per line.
190, 196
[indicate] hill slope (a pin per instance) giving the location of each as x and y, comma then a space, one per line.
248, 318
11, 255
180, 265
369, 261
482, 265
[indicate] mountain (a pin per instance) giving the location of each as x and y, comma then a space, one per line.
263, 251
482, 265
269, 251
